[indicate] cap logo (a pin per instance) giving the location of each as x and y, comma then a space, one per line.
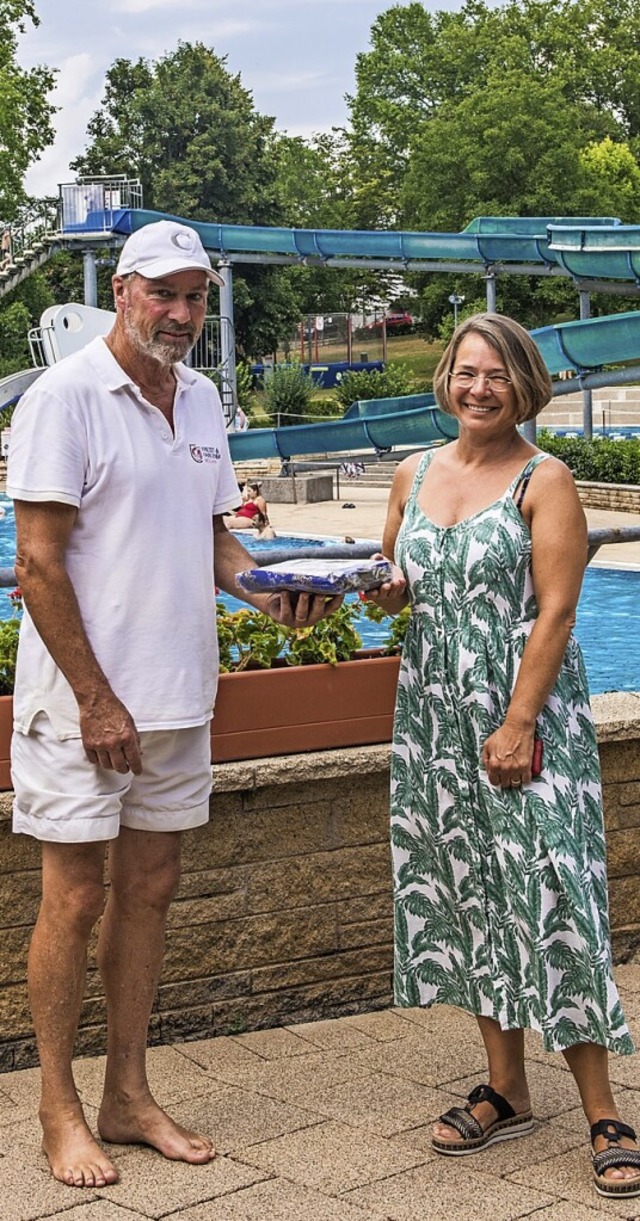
183, 241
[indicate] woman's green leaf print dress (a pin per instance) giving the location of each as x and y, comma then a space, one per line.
500, 894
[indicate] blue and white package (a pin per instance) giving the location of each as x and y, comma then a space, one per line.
311, 576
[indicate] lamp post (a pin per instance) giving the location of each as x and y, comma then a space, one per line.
455, 301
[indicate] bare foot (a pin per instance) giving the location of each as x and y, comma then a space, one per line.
125, 1122
74, 1156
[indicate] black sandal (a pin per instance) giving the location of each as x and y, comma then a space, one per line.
615, 1155
507, 1126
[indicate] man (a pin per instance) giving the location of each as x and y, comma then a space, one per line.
120, 474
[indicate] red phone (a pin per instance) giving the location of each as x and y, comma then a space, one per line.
536, 762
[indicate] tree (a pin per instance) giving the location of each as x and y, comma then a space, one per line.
580, 56
25, 111
25, 130
318, 191
612, 176
528, 108
189, 129
511, 148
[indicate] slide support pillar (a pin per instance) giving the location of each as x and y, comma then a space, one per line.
90, 278
491, 283
587, 394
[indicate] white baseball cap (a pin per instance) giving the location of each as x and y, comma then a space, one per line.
161, 249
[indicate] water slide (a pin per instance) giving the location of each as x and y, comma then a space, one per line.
487, 240
585, 248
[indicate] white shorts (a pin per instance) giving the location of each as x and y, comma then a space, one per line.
63, 798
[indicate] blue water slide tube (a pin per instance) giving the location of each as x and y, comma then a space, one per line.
415, 419
591, 343
380, 430
487, 240
595, 252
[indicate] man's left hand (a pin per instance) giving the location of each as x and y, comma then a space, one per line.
300, 610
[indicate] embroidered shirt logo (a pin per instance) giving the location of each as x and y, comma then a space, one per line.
204, 453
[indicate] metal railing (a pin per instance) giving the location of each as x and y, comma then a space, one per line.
346, 551
214, 354
24, 239
96, 200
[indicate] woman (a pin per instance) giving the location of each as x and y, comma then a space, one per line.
499, 873
252, 503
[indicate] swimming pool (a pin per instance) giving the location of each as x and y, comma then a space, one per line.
608, 620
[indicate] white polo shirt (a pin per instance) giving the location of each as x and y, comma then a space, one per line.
140, 555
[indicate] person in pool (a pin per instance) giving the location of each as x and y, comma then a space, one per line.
252, 502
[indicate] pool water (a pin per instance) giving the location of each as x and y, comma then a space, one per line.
607, 626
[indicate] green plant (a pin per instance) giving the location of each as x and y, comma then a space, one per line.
397, 627
324, 409
244, 385
601, 460
392, 382
247, 639
334, 639
287, 394
250, 640
9, 631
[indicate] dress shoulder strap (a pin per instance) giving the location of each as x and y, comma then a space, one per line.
419, 476
521, 480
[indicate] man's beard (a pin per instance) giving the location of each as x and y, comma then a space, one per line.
165, 353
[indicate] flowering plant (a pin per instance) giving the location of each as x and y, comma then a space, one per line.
250, 640
9, 632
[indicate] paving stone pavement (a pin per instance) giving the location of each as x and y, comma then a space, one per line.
329, 1121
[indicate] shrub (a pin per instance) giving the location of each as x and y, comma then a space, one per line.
9, 631
244, 385
392, 382
287, 394
598, 461
324, 409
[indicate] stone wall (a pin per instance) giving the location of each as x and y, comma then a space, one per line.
621, 497
284, 912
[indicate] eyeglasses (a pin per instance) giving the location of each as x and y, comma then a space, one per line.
494, 381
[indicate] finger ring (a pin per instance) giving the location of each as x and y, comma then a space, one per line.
515, 784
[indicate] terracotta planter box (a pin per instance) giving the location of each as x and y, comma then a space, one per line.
297, 708
6, 729
285, 710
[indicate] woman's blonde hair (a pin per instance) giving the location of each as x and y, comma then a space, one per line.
521, 358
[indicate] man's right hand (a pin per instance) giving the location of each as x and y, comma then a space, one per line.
109, 735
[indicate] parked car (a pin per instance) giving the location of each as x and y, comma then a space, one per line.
399, 321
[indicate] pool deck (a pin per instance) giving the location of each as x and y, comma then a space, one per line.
366, 520
330, 1121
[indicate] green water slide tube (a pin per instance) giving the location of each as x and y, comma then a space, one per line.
381, 424
486, 240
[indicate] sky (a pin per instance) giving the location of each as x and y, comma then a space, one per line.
296, 57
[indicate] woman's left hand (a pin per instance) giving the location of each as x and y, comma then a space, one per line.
391, 596
508, 754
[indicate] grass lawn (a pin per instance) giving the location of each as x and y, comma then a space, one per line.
410, 351
421, 357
